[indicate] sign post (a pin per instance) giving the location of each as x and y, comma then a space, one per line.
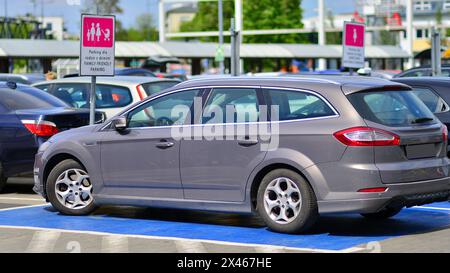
97, 51
353, 55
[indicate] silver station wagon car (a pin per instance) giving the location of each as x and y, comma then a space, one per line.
288, 149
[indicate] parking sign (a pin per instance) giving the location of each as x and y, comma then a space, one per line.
353, 45
97, 54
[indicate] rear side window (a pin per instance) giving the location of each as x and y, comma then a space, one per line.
153, 88
294, 105
108, 96
28, 99
418, 73
435, 103
391, 108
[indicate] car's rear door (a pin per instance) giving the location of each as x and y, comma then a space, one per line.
421, 153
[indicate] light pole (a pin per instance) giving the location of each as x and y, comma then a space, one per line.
409, 33
322, 37
221, 63
162, 27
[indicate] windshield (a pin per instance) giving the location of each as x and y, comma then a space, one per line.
391, 108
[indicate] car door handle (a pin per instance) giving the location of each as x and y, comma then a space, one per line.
165, 145
248, 142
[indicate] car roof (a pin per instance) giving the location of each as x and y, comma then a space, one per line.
348, 84
117, 80
424, 80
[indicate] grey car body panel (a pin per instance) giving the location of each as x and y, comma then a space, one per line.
335, 171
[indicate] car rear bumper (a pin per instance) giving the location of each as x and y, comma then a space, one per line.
397, 195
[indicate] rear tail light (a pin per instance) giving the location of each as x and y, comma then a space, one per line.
141, 92
371, 190
367, 136
41, 128
445, 133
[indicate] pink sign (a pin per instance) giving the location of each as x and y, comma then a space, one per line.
354, 35
98, 32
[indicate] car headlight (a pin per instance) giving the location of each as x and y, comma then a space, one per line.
44, 146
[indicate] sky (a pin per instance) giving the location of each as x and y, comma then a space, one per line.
70, 9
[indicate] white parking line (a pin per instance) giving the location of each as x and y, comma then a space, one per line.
115, 244
43, 241
22, 199
353, 249
190, 247
23, 207
432, 208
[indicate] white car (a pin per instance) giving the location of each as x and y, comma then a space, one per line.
114, 94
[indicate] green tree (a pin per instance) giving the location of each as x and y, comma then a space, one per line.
258, 15
144, 30
333, 38
103, 6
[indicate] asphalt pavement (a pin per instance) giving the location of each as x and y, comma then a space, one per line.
28, 224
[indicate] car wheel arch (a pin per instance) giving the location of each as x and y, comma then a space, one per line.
55, 160
263, 171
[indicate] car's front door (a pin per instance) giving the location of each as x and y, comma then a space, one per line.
217, 166
143, 161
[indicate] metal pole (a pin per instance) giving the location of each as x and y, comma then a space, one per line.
221, 64
92, 94
322, 39
436, 52
233, 47
92, 99
238, 28
409, 32
162, 27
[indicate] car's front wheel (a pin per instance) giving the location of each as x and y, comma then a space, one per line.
69, 189
286, 202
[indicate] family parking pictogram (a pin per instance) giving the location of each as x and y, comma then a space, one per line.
96, 32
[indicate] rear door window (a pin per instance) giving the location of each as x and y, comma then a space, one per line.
391, 108
434, 102
107, 96
242, 101
295, 105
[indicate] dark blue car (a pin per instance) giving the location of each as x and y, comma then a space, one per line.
28, 117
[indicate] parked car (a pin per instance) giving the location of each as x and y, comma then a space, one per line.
344, 144
28, 117
423, 71
125, 71
434, 92
114, 94
22, 78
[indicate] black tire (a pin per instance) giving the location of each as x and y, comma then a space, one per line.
308, 214
3, 179
385, 213
51, 191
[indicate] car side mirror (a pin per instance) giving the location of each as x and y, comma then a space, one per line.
119, 123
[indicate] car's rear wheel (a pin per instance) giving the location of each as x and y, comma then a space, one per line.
286, 202
385, 213
3, 179
69, 189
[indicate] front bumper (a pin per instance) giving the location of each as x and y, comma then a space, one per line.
38, 172
398, 195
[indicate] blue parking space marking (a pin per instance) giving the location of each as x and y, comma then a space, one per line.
334, 232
